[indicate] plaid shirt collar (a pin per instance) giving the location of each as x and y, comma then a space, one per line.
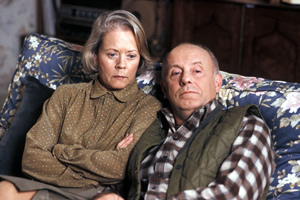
194, 120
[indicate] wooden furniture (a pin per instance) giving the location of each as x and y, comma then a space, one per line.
255, 38
76, 18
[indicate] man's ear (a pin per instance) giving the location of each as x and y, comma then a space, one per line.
163, 88
218, 82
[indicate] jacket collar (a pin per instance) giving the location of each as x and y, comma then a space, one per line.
123, 95
195, 119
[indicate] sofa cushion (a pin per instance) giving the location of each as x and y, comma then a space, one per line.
56, 62
50, 60
12, 143
279, 103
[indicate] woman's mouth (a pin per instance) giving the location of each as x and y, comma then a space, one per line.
119, 77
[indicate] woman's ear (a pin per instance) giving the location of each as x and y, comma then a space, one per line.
96, 59
141, 61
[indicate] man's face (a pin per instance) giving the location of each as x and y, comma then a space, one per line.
190, 81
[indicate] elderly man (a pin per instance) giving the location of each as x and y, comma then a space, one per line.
197, 150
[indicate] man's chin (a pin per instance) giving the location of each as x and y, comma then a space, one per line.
189, 106
189, 95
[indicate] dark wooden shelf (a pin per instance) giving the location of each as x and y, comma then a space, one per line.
255, 38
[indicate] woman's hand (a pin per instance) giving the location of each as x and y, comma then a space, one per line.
108, 196
126, 141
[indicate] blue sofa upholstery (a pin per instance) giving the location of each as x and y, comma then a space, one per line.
54, 62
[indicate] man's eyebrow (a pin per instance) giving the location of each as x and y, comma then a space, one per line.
178, 66
197, 62
174, 66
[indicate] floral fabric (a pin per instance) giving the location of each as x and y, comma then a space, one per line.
52, 61
55, 62
279, 103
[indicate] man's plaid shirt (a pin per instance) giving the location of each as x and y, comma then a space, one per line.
243, 175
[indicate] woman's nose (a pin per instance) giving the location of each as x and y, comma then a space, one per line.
121, 64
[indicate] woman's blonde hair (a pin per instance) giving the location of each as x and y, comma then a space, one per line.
107, 22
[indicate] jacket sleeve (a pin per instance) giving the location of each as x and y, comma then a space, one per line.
38, 161
86, 161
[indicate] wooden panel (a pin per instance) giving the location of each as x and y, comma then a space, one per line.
272, 44
215, 25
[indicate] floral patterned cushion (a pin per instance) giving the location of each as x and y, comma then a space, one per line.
279, 103
55, 62
52, 61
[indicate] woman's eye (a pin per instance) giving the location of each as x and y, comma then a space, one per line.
131, 56
112, 55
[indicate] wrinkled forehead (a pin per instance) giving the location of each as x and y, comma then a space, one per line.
188, 55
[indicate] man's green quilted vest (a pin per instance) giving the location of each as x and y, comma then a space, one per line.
197, 165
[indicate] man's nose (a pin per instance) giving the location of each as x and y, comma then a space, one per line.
185, 78
121, 63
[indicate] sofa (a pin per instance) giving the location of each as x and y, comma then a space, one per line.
46, 62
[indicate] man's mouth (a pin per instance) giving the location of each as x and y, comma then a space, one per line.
187, 92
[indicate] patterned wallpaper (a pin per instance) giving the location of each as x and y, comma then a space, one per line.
17, 18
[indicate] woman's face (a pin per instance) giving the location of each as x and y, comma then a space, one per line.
118, 59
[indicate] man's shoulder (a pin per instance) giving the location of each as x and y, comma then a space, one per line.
154, 132
250, 109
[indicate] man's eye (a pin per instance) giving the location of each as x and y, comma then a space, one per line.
175, 73
198, 71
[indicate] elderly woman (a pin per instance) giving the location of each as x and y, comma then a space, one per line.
86, 132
